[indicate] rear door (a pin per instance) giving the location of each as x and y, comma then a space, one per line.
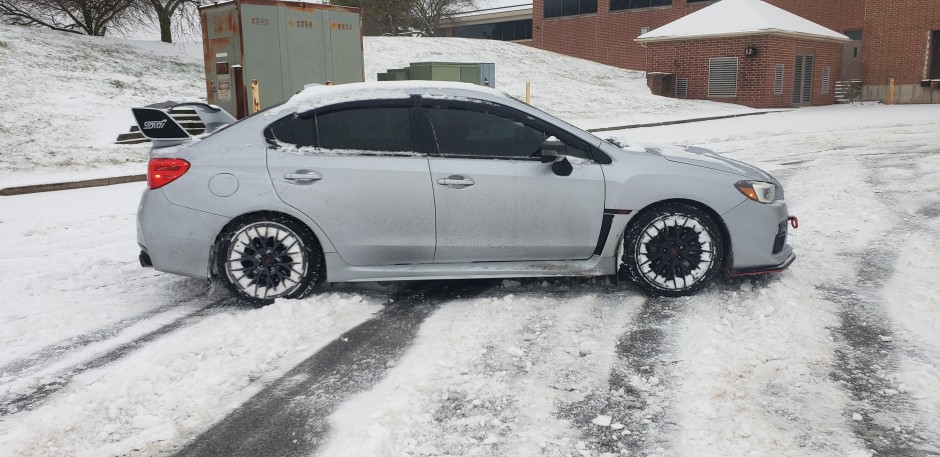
355, 171
496, 201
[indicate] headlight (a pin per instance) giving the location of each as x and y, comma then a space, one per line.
759, 191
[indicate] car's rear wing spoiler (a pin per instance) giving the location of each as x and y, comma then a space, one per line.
159, 126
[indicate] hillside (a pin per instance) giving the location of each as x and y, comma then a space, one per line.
68, 96
586, 93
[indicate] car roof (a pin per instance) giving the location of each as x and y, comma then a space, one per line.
317, 96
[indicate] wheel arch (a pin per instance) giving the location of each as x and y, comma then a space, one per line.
253, 215
722, 228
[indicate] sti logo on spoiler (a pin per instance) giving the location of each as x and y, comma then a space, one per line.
150, 125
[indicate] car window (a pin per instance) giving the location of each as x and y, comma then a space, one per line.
479, 133
366, 129
293, 130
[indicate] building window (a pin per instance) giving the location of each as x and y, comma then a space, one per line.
505, 31
825, 80
723, 77
558, 8
778, 79
616, 5
644, 30
933, 72
682, 87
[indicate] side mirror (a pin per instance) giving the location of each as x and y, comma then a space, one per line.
553, 150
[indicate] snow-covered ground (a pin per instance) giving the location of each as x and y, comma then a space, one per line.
839, 355
67, 97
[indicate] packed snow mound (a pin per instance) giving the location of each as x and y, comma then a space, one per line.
69, 96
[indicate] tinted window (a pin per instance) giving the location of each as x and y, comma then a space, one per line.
506, 31
366, 129
556, 8
463, 132
293, 130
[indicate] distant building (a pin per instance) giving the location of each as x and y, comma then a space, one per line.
897, 39
747, 52
506, 20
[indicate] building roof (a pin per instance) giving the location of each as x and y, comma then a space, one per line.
495, 7
739, 17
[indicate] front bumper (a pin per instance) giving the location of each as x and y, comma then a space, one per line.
764, 270
758, 234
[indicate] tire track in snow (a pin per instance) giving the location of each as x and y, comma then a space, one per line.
18, 402
289, 417
635, 383
869, 356
43, 357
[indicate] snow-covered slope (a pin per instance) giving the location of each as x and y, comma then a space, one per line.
606, 96
67, 96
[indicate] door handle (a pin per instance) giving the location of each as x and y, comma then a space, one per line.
303, 176
455, 181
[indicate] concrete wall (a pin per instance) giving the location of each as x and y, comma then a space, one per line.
903, 93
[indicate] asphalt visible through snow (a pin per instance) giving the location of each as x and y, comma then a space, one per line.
52, 383
628, 400
869, 351
289, 417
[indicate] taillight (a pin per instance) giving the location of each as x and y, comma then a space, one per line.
161, 172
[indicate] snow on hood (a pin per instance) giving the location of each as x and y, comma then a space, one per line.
701, 157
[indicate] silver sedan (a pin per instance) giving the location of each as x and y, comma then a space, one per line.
423, 180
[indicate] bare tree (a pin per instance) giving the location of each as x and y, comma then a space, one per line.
382, 17
90, 17
165, 12
429, 14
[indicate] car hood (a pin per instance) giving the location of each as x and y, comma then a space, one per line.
700, 157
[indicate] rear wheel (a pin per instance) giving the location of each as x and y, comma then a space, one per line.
673, 250
269, 257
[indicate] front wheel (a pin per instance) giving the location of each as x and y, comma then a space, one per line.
269, 257
673, 250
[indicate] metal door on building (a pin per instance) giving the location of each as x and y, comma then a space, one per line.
852, 57
934, 71
803, 78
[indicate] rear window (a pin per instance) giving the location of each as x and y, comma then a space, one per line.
366, 129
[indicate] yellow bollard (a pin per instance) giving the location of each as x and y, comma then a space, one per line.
255, 97
528, 93
891, 92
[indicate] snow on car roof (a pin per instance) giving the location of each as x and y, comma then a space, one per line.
739, 17
316, 96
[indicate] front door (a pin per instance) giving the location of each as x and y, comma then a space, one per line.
803, 79
356, 174
496, 201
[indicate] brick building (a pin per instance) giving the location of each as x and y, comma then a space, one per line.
747, 52
897, 39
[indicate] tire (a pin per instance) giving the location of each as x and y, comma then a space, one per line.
673, 250
269, 257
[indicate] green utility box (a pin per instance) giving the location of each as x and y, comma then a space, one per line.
282, 44
483, 74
